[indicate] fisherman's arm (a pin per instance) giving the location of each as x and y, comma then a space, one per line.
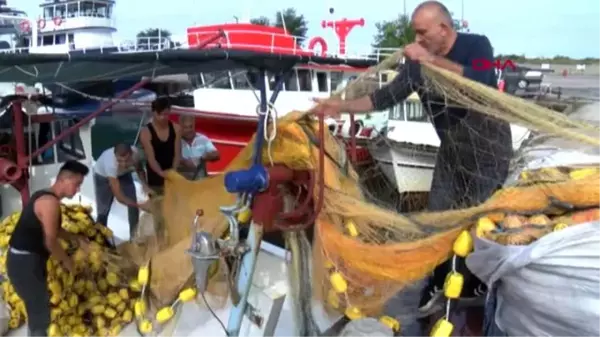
211, 154
398, 89
115, 187
149, 151
47, 209
177, 157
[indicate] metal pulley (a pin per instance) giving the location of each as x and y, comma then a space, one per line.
204, 253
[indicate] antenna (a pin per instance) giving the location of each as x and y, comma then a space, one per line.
283, 21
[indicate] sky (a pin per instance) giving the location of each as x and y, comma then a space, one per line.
535, 28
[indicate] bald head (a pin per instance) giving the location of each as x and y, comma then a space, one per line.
434, 27
434, 10
188, 127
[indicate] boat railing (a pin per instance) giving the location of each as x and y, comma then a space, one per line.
140, 44
284, 44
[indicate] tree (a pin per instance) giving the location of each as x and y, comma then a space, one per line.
262, 21
394, 33
151, 38
398, 32
294, 24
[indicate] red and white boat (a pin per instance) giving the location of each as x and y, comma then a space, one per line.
227, 103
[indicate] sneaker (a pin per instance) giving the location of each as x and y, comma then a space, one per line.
474, 293
430, 299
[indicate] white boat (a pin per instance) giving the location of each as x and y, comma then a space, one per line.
407, 151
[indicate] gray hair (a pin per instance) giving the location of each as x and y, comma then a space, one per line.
443, 10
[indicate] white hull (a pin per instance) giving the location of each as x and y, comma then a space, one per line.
407, 155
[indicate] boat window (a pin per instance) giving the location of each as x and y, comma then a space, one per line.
49, 12
72, 9
71, 147
322, 81
44, 135
273, 79
61, 38
291, 84
101, 10
243, 79
86, 8
415, 112
60, 11
47, 40
217, 79
397, 112
305, 79
336, 79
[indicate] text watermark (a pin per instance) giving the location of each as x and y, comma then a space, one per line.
485, 64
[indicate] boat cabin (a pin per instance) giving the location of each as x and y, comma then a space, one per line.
43, 168
67, 25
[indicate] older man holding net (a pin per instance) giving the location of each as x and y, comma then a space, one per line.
475, 150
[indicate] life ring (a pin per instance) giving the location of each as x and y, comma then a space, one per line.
41, 23
25, 26
318, 40
57, 20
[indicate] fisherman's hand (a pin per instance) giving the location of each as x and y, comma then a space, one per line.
417, 53
83, 243
69, 265
145, 206
328, 107
188, 164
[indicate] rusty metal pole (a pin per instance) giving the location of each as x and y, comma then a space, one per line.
22, 185
87, 119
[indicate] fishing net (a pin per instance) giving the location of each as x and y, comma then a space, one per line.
380, 246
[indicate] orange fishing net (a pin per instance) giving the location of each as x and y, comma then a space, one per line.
377, 251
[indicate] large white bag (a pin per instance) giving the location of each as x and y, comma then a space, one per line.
548, 288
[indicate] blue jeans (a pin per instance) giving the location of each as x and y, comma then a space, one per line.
105, 197
490, 328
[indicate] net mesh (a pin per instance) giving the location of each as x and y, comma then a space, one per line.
378, 237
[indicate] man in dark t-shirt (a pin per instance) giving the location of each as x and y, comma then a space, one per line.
475, 150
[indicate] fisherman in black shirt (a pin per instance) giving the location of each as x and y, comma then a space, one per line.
35, 237
475, 149
161, 141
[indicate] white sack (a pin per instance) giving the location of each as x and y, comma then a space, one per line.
548, 288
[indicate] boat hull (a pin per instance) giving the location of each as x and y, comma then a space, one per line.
408, 166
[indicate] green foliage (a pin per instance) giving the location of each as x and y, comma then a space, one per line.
154, 32
398, 32
262, 21
394, 33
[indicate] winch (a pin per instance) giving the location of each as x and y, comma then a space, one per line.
270, 198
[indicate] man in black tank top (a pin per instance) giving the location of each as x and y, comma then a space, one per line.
161, 141
35, 238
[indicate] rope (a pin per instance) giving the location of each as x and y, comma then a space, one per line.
136, 102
